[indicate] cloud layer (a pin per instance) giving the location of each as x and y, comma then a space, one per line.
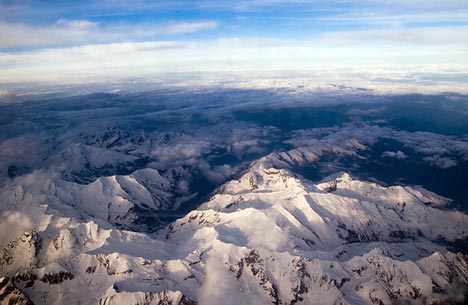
111, 41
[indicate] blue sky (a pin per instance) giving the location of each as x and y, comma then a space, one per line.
57, 40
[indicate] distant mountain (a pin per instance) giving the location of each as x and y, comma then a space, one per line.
84, 163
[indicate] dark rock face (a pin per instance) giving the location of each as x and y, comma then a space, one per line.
11, 295
29, 244
300, 286
57, 278
26, 278
161, 298
253, 265
331, 187
187, 301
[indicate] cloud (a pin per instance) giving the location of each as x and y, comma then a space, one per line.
76, 23
79, 32
332, 6
189, 27
359, 112
181, 153
13, 224
218, 281
422, 4
434, 149
385, 18
442, 162
424, 36
18, 35
241, 60
397, 155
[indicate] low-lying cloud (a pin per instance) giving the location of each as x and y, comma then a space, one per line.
397, 155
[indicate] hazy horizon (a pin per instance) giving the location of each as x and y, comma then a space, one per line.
395, 45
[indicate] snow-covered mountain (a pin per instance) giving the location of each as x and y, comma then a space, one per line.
132, 201
270, 236
84, 163
214, 196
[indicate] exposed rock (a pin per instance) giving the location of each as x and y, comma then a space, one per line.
10, 295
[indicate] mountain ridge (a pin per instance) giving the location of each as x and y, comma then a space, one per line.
270, 236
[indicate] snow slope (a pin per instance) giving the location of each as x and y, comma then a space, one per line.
268, 237
126, 201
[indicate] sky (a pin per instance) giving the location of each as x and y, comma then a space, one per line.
87, 41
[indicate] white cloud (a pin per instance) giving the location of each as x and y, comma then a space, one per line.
387, 18
376, 67
77, 23
442, 162
218, 281
16, 35
415, 36
13, 224
423, 4
397, 155
335, 5
358, 112
442, 147
189, 27
79, 32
